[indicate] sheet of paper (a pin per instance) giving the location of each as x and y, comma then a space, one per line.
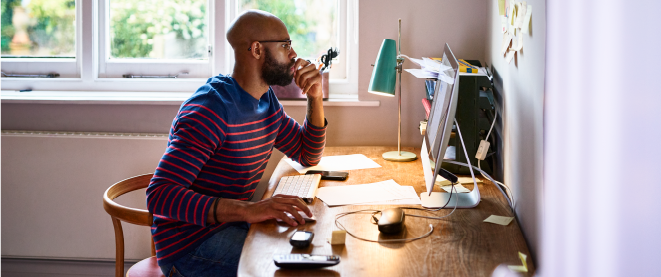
434, 65
458, 188
507, 38
409, 191
519, 44
501, 7
520, 268
337, 163
520, 14
525, 28
514, 45
422, 74
500, 220
357, 194
419, 62
510, 56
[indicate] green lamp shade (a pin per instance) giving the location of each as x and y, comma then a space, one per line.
385, 70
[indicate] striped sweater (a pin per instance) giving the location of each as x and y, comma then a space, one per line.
219, 144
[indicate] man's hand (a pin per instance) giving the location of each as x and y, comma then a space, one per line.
308, 78
275, 207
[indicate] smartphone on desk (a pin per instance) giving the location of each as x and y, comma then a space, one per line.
330, 175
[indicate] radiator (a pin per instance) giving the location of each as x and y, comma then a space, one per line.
52, 187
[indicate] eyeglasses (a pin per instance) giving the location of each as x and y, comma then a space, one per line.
286, 44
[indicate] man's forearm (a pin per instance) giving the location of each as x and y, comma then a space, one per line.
229, 210
315, 114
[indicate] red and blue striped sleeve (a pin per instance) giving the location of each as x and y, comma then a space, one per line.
303, 144
196, 133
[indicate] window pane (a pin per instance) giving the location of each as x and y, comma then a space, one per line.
312, 24
158, 29
39, 28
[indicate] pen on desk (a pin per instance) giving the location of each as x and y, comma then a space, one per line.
25, 90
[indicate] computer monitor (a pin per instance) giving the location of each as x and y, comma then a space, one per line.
437, 137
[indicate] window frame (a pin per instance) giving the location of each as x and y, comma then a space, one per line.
115, 68
89, 56
66, 67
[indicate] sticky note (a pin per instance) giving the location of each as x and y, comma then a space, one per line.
506, 43
519, 43
458, 188
510, 56
501, 7
503, 23
468, 180
442, 182
526, 21
520, 14
520, 268
514, 14
338, 237
500, 220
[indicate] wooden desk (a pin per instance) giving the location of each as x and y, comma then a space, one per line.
461, 244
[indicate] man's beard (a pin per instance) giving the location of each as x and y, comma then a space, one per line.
274, 73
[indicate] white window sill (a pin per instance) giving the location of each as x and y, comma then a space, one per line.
144, 98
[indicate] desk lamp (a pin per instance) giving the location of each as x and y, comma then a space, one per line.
388, 64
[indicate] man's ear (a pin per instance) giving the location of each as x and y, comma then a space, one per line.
256, 50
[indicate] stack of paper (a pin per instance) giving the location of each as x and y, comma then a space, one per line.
380, 193
430, 69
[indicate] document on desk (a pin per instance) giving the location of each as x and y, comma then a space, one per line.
337, 163
378, 193
407, 191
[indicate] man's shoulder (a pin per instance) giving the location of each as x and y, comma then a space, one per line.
216, 91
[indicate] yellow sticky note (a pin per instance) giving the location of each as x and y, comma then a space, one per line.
458, 188
468, 180
500, 220
515, 8
501, 7
520, 268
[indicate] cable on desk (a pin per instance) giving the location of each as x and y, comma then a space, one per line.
373, 212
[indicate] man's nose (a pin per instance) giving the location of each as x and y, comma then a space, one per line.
292, 54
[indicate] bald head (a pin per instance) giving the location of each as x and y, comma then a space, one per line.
254, 25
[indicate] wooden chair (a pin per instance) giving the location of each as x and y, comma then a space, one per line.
118, 213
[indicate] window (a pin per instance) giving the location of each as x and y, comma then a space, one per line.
39, 37
96, 45
154, 38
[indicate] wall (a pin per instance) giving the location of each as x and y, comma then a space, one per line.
520, 86
35, 169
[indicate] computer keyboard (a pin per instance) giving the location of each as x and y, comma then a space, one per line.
303, 186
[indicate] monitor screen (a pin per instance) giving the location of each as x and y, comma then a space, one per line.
441, 115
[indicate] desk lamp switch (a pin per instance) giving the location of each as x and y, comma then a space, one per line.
303, 261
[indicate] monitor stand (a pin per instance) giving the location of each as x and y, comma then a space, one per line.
440, 199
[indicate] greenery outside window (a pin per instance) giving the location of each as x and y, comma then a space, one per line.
95, 45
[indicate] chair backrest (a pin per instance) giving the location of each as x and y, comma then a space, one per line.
122, 213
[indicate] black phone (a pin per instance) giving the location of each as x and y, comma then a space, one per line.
330, 175
301, 239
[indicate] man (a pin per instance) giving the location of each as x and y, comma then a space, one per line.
219, 144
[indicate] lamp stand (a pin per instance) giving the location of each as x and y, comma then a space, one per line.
399, 155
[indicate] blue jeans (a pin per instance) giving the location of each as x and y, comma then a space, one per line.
217, 256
